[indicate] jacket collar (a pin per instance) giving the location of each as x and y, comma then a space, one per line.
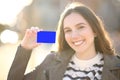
65, 55
62, 59
110, 63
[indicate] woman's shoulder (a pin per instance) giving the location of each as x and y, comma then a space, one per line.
112, 59
115, 57
50, 58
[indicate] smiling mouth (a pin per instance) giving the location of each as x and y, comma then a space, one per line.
77, 43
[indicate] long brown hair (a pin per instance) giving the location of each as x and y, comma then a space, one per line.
102, 40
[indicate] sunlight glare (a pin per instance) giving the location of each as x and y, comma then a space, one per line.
9, 9
8, 36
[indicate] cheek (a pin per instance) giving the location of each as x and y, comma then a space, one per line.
67, 38
90, 36
89, 33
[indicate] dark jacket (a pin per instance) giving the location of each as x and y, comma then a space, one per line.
54, 66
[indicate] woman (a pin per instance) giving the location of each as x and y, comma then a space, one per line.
84, 50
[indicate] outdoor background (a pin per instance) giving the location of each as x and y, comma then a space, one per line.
18, 15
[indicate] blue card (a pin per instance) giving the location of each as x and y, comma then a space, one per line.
46, 37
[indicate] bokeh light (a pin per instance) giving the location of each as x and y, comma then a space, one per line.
8, 36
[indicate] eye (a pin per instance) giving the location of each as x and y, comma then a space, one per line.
67, 30
81, 27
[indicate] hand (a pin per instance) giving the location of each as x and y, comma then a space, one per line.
29, 40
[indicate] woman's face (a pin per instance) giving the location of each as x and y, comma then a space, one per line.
78, 33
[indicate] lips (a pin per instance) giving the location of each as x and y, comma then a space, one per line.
76, 43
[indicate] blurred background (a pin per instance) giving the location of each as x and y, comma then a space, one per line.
18, 15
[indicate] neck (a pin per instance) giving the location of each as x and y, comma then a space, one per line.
88, 54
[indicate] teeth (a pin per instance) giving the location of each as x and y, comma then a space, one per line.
78, 42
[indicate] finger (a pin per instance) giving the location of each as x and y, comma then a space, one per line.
36, 29
38, 44
28, 32
33, 30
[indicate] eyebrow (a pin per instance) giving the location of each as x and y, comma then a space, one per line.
80, 24
75, 25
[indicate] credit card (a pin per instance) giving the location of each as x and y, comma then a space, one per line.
46, 37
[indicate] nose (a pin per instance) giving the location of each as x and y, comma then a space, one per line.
75, 34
